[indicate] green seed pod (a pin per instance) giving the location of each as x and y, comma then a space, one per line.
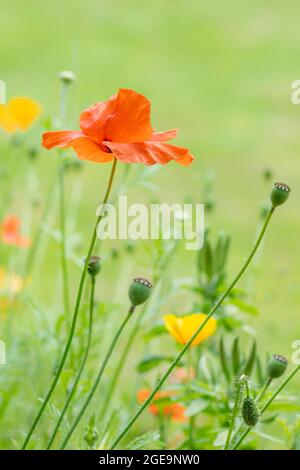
94, 266
250, 412
279, 194
67, 76
139, 291
276, 366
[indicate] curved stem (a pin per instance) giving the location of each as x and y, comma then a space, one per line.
98, 378
84, 359
75, 314
194, 336
266, 405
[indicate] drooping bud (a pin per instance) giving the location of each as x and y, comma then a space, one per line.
139, 291
250, 412
276, 366
67, 76
280, 194
94, 266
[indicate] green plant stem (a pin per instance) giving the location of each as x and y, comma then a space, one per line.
62, 223
35, 244
194, 336
267, 404
235, 410
98, 378
84, 359
263, 390
75, 314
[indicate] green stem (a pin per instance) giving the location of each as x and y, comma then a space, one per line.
98, 378
75, 314
263, 390
62, 222
84, 359
194, 336
35, 244
238, 396
267, 404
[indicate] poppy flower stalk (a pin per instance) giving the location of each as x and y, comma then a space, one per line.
75, 314
91, 266
198, 330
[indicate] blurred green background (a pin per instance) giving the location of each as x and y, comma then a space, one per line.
219, 71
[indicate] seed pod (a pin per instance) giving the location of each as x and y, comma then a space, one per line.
250, 412
276, 366
139, 291
94, 266
279, 194
67, 76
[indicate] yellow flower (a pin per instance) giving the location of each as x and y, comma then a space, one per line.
11, 283
183, 328
18, 114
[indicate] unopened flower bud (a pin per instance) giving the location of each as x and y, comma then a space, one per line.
139, 291
279, 194
94, 266
276, 366
250, 412
67, 76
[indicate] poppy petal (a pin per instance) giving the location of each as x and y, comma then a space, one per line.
163, 136
87, 149
60, 139
7, 119
131, 119
150, 153
94, 118
25, 111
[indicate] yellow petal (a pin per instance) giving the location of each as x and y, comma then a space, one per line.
183, 328
7, 119
25, 111
174, 327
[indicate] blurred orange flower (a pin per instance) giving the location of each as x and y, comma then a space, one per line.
119, 128
10, 232
18, 114
174, 411
183, 328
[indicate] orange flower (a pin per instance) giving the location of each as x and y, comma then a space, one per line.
174, 411
10, 232
18, 114
119, 128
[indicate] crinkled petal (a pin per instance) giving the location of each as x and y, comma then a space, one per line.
60, 139
87, 149
150, 153
94, 118
163, 136
131, 120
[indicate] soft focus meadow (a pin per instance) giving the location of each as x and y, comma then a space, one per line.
223, 77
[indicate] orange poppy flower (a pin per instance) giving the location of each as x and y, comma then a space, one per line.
174, 411
18, 114
10, 232
119, 128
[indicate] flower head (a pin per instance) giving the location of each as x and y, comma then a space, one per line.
11, 283
10, 233
119, 128
183, 328
18, 114
162, 405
